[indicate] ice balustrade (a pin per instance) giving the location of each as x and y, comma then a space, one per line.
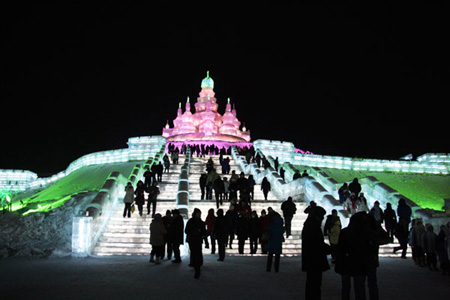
430, 163
435, 157
140, 148
90, 224
371, 165
16, 180
182, 201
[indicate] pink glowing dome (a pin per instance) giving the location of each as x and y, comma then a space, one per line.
206, 124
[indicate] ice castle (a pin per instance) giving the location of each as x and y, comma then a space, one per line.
207, 125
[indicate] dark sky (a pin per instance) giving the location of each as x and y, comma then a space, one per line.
333, 80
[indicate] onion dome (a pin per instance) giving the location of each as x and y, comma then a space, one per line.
207, 82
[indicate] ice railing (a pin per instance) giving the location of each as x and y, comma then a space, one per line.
140, 148
182, 201
324, 189
88, 226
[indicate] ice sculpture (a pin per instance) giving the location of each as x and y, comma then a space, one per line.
207, 125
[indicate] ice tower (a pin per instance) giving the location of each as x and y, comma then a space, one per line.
207, 125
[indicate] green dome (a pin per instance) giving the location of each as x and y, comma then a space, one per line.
207, 82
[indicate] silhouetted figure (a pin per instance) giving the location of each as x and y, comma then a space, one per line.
195, 231
265, 187
202, 182
220, 231
275, 244
139, 196
354, 187
175, 234
157, 232
314, 253
289, 209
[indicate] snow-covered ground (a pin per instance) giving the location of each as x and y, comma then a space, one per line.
133, 277
40, 234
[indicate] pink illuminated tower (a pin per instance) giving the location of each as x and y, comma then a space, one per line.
207, 125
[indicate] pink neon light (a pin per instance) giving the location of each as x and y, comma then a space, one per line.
206, 124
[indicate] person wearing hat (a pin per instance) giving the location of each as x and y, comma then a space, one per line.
314, 253
175, 235
195, 231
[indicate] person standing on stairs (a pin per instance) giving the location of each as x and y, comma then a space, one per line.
128, 199
202, 182
175, 234
220, 232
159, 171
157, 233
195, 231
166, 163
289, 209
212, 176
153, 193
275, 244
219, 189
139, 196
265, 187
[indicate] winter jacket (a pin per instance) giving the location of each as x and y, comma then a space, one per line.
288, 208
157, 232
314, 249
175, 234
276, 239
129, 194
195, 231
139, 192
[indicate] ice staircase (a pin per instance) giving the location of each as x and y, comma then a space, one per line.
131, 236
291, 247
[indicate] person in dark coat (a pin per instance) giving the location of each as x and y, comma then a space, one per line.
202, 182
402, 236
254, 232
231, 219
139, 196
404, 212
167, 220
159, 171
343, 193
390, 220
275, 244
354, 187
314, 253
296, 175
264, 221
153, 193
175, 235
289, 209
219, 189
195, 232
351, 258
265, 187
442, 250
220, 231
148, 177
357, 256
242, 230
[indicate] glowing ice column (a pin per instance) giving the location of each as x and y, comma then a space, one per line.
81, 236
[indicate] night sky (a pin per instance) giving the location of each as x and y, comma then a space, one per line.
333, 80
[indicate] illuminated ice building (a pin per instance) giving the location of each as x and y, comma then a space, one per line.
86, 199
206, 125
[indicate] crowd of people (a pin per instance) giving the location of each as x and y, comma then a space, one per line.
353, 250
217, 232
426, 246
